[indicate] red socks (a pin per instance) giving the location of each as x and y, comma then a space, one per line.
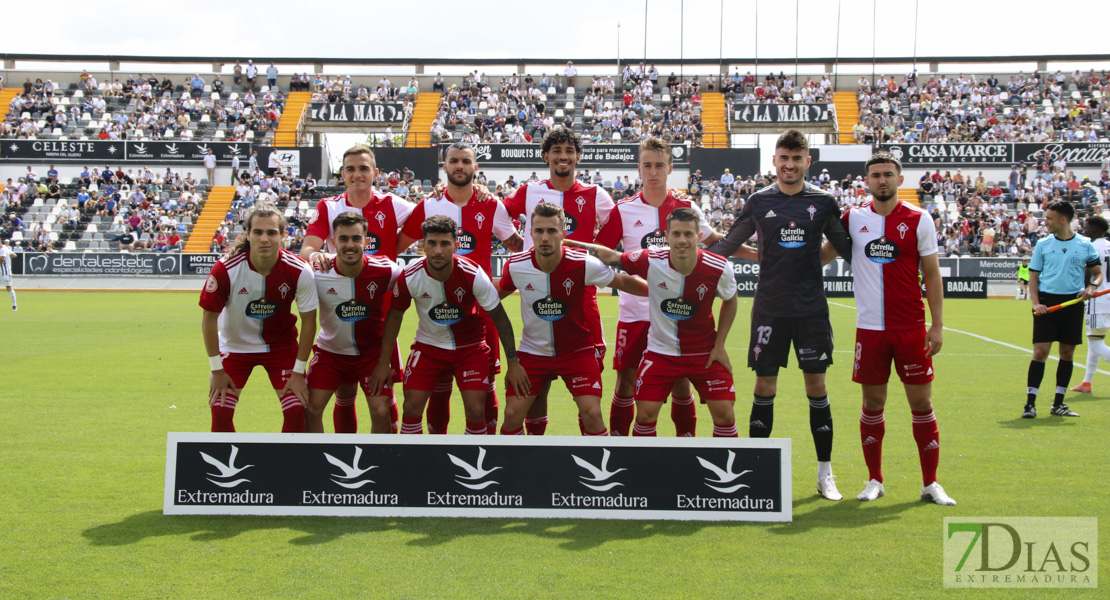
725, 431
872, 427
439, 407
536, 426
223, 416
412, 425
927, 436
621, 415
394, 415
642, 430
491, 410
293, 413
475, 428
685, 416
344, 417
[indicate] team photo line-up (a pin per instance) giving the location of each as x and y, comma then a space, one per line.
349, 289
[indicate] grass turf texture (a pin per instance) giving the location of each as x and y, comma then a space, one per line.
93, 381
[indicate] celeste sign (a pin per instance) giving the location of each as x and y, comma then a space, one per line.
703, 479
114, 151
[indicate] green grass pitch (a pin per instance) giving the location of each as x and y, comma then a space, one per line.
93, 381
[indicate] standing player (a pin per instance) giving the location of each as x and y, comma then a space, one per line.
1061, 261
682, 281
1098, 309
248, 320
790, 307
637, 223
352, 295
479, 220
891, 242
384, 214
6, 255
1023, 280
556, 341
447, 290
585, 206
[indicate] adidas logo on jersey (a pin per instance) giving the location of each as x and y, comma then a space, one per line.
529, 288
638, 223
870, 440
662, 284
332, 291
769, 214
425, 295
864, 229
244, 291
596, 386
933, 445
824, 356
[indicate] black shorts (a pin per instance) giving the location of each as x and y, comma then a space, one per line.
769, 345
1064, 326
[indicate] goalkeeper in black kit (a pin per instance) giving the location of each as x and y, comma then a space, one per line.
791, 217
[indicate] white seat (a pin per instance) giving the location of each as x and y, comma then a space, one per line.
17, 236
569, 105
559, 114
570, 90
219, 134
250, 135
71, 245
265, 89
551, 90
206, 118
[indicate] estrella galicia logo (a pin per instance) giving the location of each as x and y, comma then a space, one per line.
373, 243
599, 474
226, 471
881, 251
261, 309
724, 476
572, 223
352, 311
473, 472
549, 308
656, 238
445, 314
792, 236
351, 472
466, 241
677, 309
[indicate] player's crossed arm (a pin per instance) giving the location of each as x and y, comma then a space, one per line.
380, 375
610, 257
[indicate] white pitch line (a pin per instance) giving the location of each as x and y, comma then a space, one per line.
984, 338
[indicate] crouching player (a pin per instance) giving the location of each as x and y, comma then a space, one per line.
352, 292
682, 282
248, 320
447, 291
556, 341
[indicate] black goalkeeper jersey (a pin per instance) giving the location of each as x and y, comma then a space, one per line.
790, 230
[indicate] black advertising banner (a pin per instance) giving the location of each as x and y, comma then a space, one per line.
198, 264
112, 152
993, 269
592, 154
89, 263
747, 114
964, 287
687, 479
368, 112
1003, 154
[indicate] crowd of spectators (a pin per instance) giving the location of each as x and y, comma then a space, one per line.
1037, 107
142, 108
774, 89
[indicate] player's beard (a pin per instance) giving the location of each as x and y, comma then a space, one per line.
460, 179
884, 196
791, 178
560, 171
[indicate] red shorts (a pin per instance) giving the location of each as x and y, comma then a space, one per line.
493, 342
906, 347
278, 363
428, 364
658, 373
593, 318
580, 372
631, 344
328, 371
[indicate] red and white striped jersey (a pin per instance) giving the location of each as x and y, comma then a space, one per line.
255, 310
551, 304
352, 309
385, 215
478, 223
584, 205
681, 305
886, 262
448, 310
637, 225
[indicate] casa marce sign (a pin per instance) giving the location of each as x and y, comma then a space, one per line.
1075, 154
685, 479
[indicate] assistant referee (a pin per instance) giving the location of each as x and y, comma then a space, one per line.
1056, 274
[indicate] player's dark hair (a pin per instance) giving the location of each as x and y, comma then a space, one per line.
684, 214
561, 135
460, 146
261, 209
440, 224
658, 145
1063, 207
360, 149
348, 218
792, 139
1098, 222
548, 209
883, 157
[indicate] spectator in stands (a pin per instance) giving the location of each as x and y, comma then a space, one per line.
252, 74
271, 76
210, 166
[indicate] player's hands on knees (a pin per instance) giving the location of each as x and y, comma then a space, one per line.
1039, 309
516, 377
297, 385
378, 378
218, 387
320, 262
720, 355
935, 338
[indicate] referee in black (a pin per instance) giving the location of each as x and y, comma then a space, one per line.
791, 217
1061, 262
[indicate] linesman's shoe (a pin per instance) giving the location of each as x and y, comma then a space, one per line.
1083, 388
1062, 410
827, 488
14, 307
1030, 412
935, 494
873, 491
